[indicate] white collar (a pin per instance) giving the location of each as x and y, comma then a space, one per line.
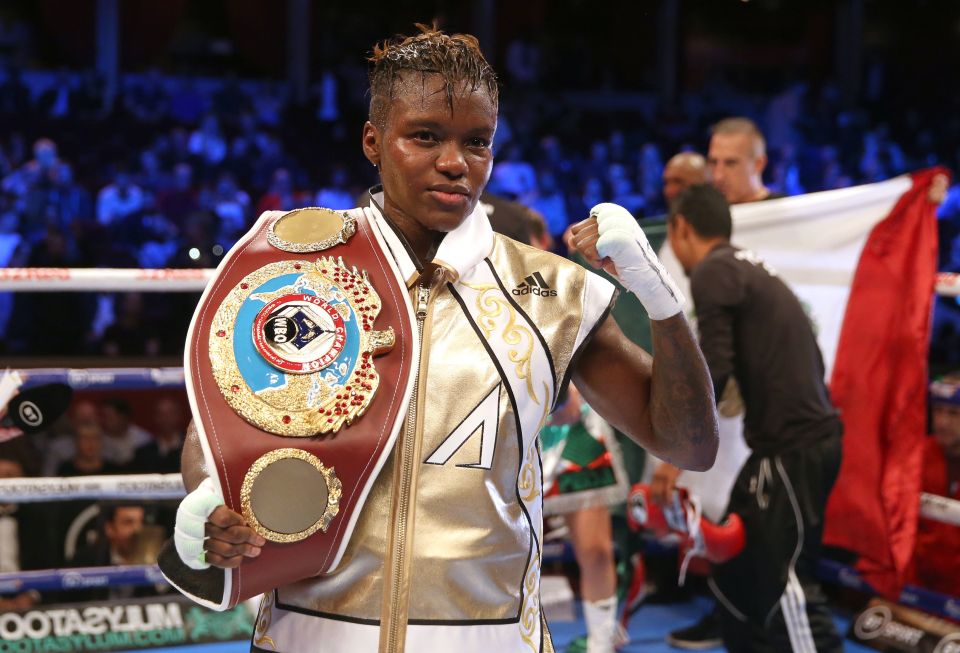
460, 250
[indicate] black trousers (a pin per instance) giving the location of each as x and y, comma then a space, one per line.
769, 596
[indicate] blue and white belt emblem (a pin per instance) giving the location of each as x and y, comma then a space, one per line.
292, 346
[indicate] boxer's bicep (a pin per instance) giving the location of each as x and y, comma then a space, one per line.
614, 375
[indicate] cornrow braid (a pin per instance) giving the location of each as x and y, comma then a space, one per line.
455, 57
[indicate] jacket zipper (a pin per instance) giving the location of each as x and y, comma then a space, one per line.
396, 623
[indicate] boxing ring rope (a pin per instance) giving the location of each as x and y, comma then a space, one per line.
170, 486
190, 280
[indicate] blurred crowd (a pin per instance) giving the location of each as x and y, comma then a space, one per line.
96, 437
168, 172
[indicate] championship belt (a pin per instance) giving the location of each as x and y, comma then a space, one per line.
299, 366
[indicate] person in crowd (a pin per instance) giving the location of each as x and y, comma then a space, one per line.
122, 536
938, 544
134, 332
231, 205
148, 100
121, 436
119, 199
87, 458
207, 143
162, 454
20, 548
282, 195
335, 194
181, 199
513, 176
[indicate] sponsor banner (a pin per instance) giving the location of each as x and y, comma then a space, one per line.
134, 624
885, 626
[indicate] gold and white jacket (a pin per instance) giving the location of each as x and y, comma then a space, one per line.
446, 553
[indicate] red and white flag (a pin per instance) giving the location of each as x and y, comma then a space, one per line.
862, 260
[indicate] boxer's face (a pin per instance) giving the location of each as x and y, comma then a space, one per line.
434, 161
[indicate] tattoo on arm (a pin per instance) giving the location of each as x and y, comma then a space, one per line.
682, 408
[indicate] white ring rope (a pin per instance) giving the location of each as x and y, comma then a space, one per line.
190, 280
118, 486
104, 279
170, 486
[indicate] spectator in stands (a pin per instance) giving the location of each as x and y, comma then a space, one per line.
119, 199
87, 458
41, 171
90, 102
148, 101
230, 100
938, 544
270, 104
122, 436
335, 195
152, 178
49, 329
231, 205
513, 176
123, 538
187, 104
550, 202
591, 194
650, 175
180, 200
162, 454
523, 60
133, 333
207, 142
786, 172
20, 548
281, 196
59, 446
598, 164
624, 194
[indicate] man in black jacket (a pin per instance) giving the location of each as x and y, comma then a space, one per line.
754, 329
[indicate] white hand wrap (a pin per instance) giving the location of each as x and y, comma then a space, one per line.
638, 268
189, 532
